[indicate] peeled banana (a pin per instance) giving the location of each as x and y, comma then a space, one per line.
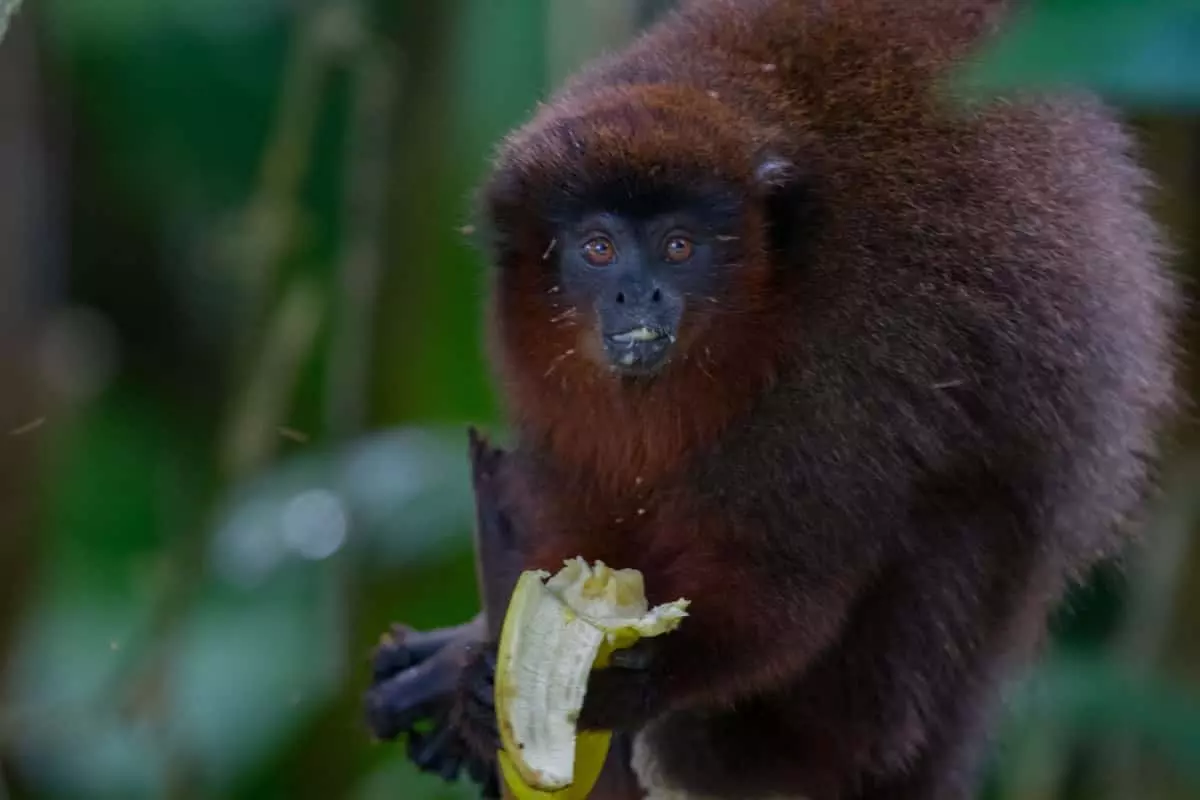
555, 632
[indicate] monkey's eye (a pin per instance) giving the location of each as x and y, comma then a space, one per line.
677, 248
599, 251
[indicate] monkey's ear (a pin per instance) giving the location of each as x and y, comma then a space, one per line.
788, 202
501, 211
774, 172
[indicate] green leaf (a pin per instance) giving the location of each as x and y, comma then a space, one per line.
69, 737
240, 672
400, 497
249, 667
98, 703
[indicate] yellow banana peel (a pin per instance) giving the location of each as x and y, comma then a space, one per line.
557, 630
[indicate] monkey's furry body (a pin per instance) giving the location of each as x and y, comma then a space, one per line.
911, 389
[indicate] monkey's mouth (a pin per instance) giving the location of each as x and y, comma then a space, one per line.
640, 350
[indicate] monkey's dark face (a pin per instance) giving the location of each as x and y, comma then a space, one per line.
635, 275
639, 237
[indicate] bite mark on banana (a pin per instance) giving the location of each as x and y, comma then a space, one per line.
557, 630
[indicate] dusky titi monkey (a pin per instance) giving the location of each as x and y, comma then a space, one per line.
867, 373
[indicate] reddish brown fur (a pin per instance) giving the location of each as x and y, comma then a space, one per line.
876, 463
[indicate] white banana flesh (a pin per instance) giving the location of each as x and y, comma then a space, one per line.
555, 633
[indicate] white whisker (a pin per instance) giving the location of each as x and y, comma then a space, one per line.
558, 360
700, 363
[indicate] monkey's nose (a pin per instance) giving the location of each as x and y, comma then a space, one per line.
652, 296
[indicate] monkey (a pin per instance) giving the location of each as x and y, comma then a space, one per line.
868, 372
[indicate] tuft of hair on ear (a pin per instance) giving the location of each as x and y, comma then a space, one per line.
774, 172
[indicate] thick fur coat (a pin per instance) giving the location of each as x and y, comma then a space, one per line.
924, 399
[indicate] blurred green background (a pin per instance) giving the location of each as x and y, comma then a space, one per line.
240, 341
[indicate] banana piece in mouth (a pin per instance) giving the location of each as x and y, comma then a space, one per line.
555, 632
639, 334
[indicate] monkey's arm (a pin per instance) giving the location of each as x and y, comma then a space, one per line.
445, 676
759, 616
773, 542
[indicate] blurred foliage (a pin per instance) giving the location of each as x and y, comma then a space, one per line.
259, 351
7, 9
1141, 52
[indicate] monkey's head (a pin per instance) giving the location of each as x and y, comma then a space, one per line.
633, 238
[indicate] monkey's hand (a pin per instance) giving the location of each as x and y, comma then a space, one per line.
623, 696
436, 688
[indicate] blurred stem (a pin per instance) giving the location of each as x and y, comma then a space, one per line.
267, 229
270, 218
254, 425
28, 225
7, 9
364, 207
29, 229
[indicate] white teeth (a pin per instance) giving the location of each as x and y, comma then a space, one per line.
641, 334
